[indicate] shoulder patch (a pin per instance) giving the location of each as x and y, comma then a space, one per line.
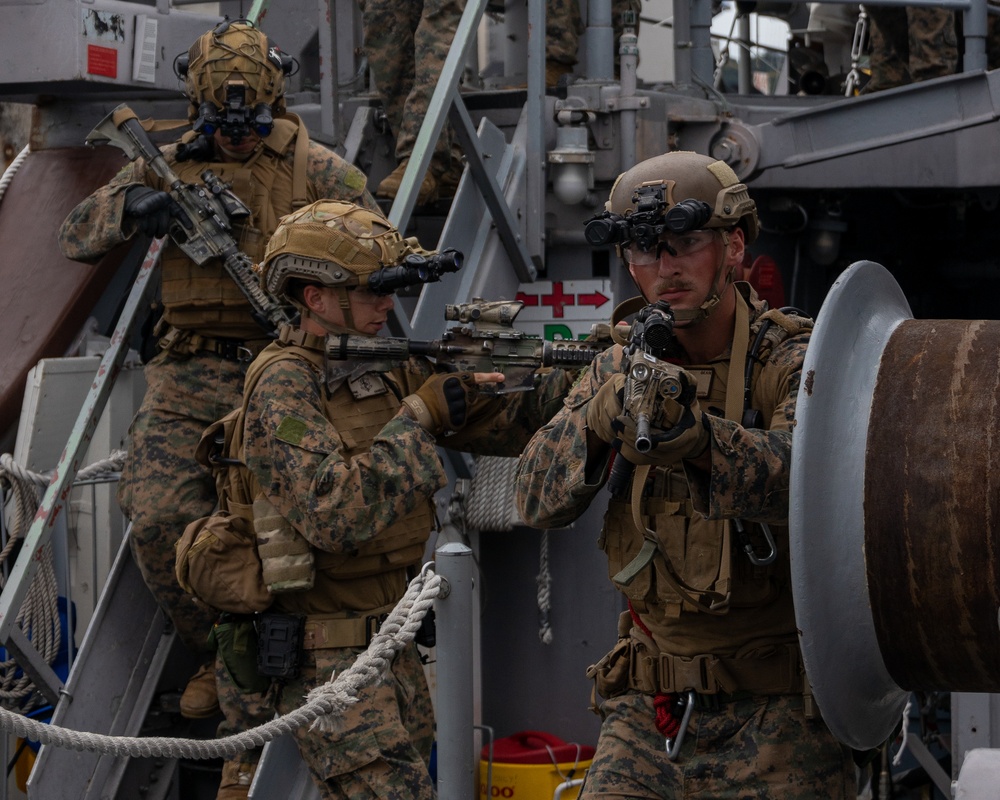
355, 179
291, 430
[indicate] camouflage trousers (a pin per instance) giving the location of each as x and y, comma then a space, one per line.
761, 747
910, 44
407, 44
380, 748
564, 26
162, 487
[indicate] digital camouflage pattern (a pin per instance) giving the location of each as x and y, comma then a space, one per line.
752, 749
162, 486
339, 503
564, 26
910, 44
753, 640
95, 226
407, 44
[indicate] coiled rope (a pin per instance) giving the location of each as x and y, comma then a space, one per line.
322, 708
38, 615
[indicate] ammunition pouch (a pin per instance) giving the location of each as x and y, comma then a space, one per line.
236, 644
610, 675
286, 556
279, 645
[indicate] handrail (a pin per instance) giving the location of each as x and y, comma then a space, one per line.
56, 498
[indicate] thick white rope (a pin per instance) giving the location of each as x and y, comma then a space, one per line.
15, 165
38, 615
490, 504
323, 705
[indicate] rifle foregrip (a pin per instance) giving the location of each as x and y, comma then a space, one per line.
370, 348
570, 354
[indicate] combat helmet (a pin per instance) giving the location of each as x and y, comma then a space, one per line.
330, 243
234, 77
677, 192
681, 176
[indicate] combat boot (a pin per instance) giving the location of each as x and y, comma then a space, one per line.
389, 187
200, 699
236, 780
554, 70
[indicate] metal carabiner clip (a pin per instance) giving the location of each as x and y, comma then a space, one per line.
747, 545
673, 746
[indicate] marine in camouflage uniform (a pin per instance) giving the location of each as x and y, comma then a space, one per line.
564, 26
208, 333
910, 44
705, 625
407, 44
345, 457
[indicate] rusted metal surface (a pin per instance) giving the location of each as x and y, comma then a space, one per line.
45, 298
932, 505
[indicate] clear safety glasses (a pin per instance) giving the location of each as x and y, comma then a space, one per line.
677, 245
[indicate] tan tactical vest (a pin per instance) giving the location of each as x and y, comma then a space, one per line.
272, 183
698, 555
359, 409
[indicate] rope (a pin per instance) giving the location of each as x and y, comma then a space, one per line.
544, 595
38, 615
15, 165
490, 505
322, 707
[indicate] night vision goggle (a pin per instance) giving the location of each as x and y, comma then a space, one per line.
649, 221
235, 119
415, 270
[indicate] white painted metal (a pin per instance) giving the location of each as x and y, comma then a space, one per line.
858, 699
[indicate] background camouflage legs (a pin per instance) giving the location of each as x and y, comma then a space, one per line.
383, 741
747, 749
911, 44
407, 44
162, 486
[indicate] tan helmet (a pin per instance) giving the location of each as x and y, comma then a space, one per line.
683, 175
234, 75
333, 244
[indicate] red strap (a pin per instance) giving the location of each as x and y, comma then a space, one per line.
666, 722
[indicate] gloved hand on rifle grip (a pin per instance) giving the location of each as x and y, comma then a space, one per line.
605, 407
150, 210
442, 403
688, 439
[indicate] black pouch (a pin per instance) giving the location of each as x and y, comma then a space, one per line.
279, 645
427, 633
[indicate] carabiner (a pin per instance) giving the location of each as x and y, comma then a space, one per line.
747, 545
673, 746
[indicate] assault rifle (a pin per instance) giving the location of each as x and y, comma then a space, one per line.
648, 382
484, 341
202, 227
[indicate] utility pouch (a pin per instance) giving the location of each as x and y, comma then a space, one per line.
236, 644
427, 633
610, 674
279, 645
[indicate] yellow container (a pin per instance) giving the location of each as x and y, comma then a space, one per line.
531, 765
530, 781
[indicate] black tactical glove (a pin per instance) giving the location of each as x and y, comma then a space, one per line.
149, 209
442, 403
